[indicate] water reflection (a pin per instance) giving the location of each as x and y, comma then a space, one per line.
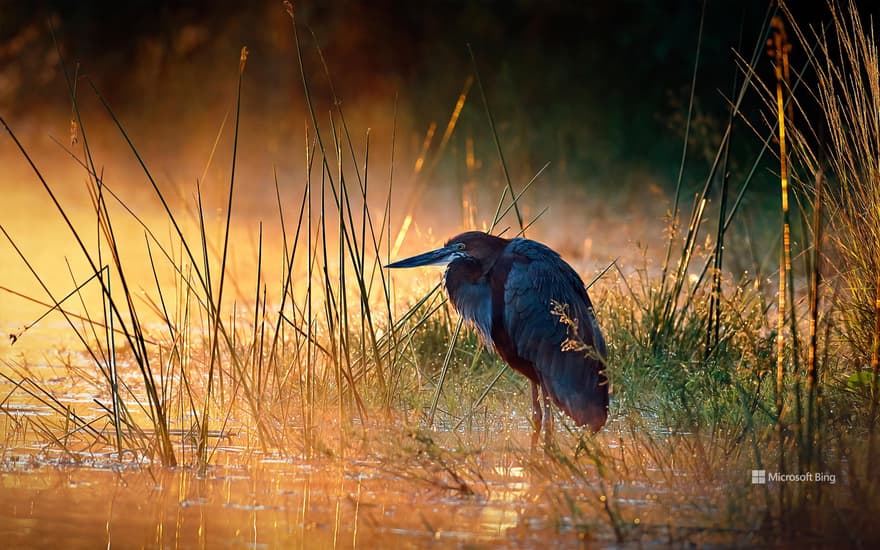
501, 513
264, 504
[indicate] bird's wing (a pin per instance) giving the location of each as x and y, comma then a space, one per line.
537, 279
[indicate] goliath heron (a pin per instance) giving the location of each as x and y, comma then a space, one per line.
507, 289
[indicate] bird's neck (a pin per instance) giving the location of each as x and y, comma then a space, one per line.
463, 271
492, 249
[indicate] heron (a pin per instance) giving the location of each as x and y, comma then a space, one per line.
507, 289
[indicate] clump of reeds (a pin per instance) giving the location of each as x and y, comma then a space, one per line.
286, 368
848, 93
840, 156
709, 380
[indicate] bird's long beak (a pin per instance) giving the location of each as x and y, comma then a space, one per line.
441, 256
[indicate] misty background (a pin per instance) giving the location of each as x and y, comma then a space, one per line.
597, 89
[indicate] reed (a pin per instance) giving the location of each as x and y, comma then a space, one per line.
848, 94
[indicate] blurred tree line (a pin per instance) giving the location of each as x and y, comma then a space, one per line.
591, 86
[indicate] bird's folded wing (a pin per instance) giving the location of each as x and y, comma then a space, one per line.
537, 279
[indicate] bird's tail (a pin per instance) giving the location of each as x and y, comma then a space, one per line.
579, 387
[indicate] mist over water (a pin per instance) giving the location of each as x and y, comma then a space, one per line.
593, 98
594, 91
172, 84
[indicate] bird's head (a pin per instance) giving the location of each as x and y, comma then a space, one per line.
475, 245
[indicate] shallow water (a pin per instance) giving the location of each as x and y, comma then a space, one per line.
386, 484
269, 503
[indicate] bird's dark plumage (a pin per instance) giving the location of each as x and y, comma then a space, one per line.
507, 288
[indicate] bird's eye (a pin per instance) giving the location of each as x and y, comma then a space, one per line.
459, 246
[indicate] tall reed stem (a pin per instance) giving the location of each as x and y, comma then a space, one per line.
875, 370
812, 425
779, 48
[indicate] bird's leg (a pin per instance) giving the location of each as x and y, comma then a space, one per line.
536, 415
548, 416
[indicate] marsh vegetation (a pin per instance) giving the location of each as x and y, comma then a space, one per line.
275, 385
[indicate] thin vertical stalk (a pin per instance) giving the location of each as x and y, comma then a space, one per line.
309, 393
342, 311
257, 351
687, 132
875, 370
714, 329
215, 338
491, 119
812, 426
779, 45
